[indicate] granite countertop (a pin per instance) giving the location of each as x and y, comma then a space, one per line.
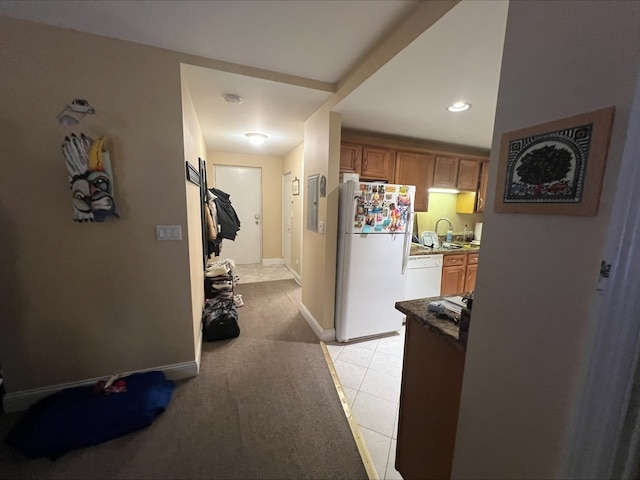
417, 250
416, 310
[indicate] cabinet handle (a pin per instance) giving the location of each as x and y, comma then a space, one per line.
480, 202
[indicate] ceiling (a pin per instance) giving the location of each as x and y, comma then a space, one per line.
457, 59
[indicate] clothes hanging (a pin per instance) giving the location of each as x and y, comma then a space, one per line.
228, 220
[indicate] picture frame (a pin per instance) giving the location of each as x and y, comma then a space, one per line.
555, 168
295, 186
192, 174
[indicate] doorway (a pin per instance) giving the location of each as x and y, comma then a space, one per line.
244, 185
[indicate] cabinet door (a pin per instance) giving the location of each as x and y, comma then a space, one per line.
482, 189
378, 164
350, 158
453, 279
470, 280
468, 172
415, 169
445, 173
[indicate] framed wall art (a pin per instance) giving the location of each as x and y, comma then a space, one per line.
555, 168
192, 174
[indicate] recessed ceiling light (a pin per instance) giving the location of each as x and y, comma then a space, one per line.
459, 107
232, 98
256, 138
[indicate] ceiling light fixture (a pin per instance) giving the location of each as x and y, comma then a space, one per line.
232, 98
256, 138
74, 112
459, 107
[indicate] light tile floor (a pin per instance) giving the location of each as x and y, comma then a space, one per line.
256, 272
370, 372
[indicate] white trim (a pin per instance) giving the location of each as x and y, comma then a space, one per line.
271, 261
296, 277
365, 455
22, 400
199, 350
597, 433
328, 335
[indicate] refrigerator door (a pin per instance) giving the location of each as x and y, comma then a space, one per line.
376, 208
370, 282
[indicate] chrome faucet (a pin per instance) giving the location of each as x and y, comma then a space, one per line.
446, 220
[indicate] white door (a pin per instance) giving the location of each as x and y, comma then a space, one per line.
244, 184
287, 216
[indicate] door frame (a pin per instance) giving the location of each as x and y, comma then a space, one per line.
286, 200
604, 438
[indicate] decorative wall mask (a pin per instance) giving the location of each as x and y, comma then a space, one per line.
90, 178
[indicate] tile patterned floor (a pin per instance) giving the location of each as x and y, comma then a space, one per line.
256, 272
370, 373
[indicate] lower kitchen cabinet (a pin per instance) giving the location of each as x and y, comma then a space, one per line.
459, 273
453, 274
429, 403
472, 269
470, 278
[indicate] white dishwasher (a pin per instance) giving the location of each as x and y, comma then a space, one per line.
424, 276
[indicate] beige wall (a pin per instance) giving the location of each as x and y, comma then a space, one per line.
538, 274
293, 162
271, 194
194, 148
322, 157
87, 300
444, 205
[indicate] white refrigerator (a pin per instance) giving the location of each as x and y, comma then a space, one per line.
374, 240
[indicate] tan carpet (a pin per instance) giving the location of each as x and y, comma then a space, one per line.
263, 406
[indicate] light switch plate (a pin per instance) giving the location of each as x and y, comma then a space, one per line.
320, 226
168, 232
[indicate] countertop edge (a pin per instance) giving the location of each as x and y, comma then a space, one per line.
416, 310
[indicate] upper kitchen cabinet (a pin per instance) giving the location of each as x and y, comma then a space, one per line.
371, 163
411, 161
456, 173
378, 164
468, 172
415, 169
350, 158
482, 188
445, 172
475, 200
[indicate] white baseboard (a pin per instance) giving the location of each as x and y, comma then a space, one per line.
198, 351
296, 276
328, 335
22, 400
272, 261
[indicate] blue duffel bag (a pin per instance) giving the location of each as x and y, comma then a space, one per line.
81, 416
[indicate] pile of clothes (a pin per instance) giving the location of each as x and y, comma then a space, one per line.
220, 317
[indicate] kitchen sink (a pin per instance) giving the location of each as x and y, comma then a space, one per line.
451, 246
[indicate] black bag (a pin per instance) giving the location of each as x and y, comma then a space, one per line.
220, 319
